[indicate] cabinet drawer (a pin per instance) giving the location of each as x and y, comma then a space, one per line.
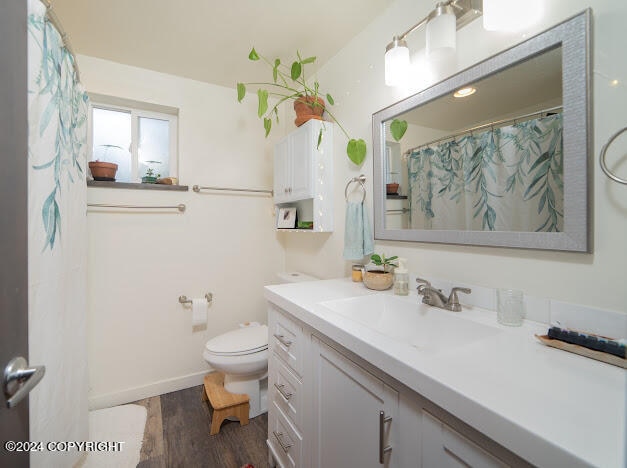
286, 341
285, 442
286, 391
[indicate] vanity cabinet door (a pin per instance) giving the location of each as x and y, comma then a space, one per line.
444, 447
347, 401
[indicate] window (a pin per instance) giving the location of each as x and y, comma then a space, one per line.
136, 136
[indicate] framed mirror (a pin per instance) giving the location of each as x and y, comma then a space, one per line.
496, 155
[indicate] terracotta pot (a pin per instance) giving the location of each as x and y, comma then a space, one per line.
306, 109
391, 189
101, 170
378, 280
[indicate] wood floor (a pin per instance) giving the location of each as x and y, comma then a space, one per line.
177, 435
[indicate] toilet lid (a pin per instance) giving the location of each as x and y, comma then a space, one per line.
244, 340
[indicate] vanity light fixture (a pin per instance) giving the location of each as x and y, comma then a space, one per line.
464, 92
441, 25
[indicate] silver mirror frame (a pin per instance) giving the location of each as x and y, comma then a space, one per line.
574, 36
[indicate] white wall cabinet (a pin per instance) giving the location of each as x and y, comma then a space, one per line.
303, 174
328, 408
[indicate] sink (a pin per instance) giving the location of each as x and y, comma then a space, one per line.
421, 326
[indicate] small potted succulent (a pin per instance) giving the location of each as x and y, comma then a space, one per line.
289, 83
380, 279
150, 177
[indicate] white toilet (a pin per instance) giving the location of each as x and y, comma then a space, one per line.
242, 355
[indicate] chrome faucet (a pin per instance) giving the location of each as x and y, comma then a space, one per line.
436, 298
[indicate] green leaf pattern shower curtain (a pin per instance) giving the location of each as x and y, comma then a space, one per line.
57, 109
503, 179
57, 241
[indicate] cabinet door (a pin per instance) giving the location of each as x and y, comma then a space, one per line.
444, 447
346, 429
302, 149
281, 171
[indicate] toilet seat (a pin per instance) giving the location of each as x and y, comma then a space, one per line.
240, 342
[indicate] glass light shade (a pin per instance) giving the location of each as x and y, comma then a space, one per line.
511, 15
396, 65
441, 35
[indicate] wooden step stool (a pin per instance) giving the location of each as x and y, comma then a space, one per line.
224, 403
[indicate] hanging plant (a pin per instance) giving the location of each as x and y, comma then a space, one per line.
289, 83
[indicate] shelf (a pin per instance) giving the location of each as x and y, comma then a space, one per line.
302, 230
137, 186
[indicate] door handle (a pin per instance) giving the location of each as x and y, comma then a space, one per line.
19, 380
383, 449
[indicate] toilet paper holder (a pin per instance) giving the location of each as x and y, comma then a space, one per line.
185, 300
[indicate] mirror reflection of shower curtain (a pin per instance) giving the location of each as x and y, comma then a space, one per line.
503, 179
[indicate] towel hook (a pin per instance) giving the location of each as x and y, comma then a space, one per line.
608, 173
359, 179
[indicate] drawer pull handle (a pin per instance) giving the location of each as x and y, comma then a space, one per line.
286, 395
383, 449
284, 342
279, 439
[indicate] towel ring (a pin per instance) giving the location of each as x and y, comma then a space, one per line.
360, 179
608, 173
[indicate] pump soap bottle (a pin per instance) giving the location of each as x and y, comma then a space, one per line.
401, 278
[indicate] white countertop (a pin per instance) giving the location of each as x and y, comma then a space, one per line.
551, 407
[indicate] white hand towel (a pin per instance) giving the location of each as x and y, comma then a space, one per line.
200, 311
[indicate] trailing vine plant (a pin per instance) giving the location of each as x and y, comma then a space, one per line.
289, 83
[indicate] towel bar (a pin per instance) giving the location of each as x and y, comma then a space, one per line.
185, 300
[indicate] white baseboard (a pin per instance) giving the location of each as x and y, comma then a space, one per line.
145, 391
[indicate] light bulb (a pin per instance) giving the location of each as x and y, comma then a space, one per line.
441, 33
396, 62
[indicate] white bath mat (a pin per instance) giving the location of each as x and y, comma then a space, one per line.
125, 424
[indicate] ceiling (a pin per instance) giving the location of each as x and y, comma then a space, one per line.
523, 88
209, 41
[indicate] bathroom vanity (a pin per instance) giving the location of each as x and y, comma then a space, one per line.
365, 378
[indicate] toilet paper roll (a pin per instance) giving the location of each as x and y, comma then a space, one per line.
199, 311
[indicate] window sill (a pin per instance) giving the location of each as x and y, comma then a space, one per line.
137, 186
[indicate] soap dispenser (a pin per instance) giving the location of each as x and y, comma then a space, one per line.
401, 278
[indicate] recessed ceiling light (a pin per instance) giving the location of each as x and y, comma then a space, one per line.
614, 82
463, 92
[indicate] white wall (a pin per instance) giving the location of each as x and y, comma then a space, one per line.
355, 77
139, 337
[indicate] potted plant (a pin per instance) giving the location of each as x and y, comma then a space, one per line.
101, 170
150, 177
289, 83
380, 279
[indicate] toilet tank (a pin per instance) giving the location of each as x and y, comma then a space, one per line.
294, 277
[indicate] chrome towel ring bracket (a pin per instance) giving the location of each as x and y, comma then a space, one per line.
609, 173
360, 180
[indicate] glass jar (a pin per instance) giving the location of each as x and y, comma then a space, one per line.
357, 274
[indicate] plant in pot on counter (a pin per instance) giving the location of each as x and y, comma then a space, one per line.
380, 279
289, 83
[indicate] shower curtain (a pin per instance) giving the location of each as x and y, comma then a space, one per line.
57, 243
503, 179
